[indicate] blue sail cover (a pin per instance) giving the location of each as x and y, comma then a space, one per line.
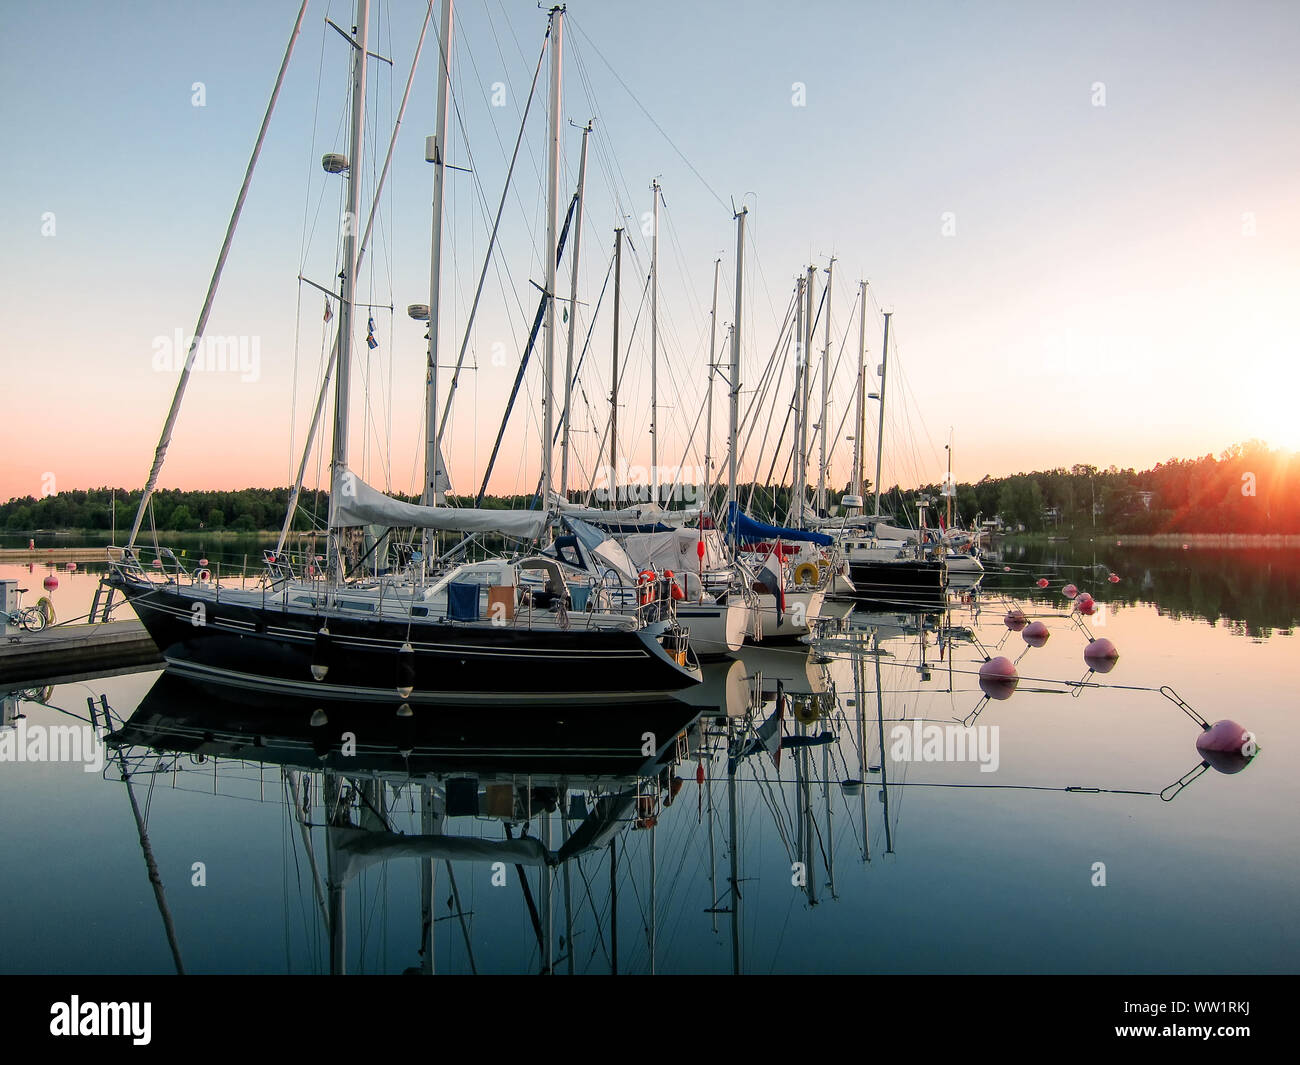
746, 528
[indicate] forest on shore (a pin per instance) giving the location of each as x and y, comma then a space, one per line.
1247, 489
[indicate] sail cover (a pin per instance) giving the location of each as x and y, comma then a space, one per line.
353, 502
746, 528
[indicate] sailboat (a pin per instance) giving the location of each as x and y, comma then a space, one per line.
484, 631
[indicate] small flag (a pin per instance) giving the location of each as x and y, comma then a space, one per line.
328, 313
371, 342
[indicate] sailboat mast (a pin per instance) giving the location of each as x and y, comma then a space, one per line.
343, 380
880, 429
573, 316
733, 382
805, 393
859, 415
708, 419
438, 157
800, 364
654, 342
613, 389
826, 381
552, 239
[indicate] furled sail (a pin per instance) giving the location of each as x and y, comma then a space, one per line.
353, 502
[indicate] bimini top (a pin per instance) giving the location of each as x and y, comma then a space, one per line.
746, 528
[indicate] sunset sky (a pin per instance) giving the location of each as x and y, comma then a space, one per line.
1084, 218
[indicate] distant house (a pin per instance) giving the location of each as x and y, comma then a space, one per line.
1146, 498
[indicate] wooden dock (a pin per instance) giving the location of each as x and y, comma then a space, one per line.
53, 554
64, 651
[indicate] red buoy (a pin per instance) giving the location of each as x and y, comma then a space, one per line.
51, 582
203, 562
1113, 578
1086, 605
1100, 655
1042, 582
1006, 569
1070, 591
71, 567
1015, 620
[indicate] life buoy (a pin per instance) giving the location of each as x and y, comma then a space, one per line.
646, 582
203, 576
805, 573
674, 589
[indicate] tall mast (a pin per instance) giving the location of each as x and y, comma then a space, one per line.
733, 382
613, 390
654, 343
880, 429
343, 380
948, 485
708, 420
164, 442
806, 391
859, 414
826, 381
438, 157
573, 316
800, 367
552, 237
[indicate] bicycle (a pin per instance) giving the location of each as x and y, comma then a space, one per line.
31, 618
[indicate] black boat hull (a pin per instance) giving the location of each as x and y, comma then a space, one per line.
276, 649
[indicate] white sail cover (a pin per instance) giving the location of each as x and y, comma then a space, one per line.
677, 551
353, 502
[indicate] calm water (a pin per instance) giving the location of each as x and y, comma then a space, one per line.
933, 866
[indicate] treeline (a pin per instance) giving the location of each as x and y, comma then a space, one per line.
1249, 488
245, 510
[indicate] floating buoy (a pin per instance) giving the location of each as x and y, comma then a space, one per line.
405, 670
1042, 582
1006, 569
51, 582
203, 562
31, 545
1070, 591
320, 653
1015, 620
1225, 735
157, 563
1036, 634
1086, 605
71, 567
1100, 655
998, 678
1113, 578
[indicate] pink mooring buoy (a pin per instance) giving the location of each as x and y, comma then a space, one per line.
998, 678
1036, 634
71, 567
203, 562
51, 582
1042, 582
1006, 569
1225, 735
1113, 578
1015, 620
1100, 655
1070, 591
1086, 605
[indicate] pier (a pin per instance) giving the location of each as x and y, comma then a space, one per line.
65, 652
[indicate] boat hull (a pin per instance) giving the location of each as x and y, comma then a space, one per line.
274, 649
902, 582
